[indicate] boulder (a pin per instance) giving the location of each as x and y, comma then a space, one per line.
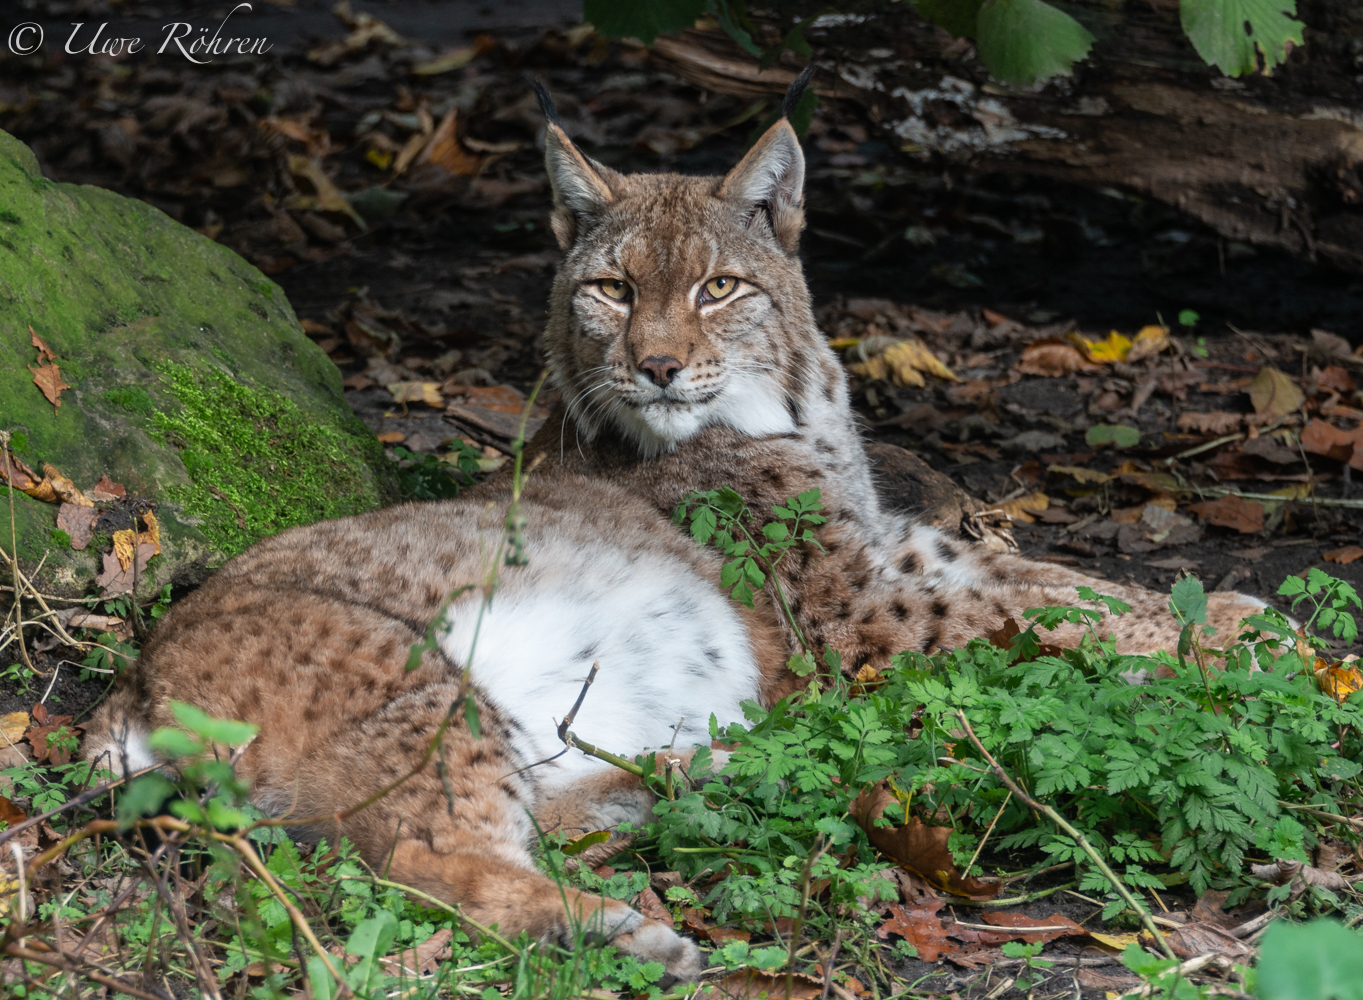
137, 352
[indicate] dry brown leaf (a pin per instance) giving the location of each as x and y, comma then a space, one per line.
1321, 438
55, 488
417, 392
10, 814
78, 522
1344, 556
1274, 394
422, 960
500, 398
1336, 378
920, 927
748, 984
48, 378
648, 903
1053, 358
119, 576
1300, 875
44, 352
357, 382
1019, 925
329, 197
103, 623
1022, 508
1002, 638
1216, 422
444, 150
16, 473
1151, 340
59, 751
1243, 515
916, 846
107, 489
392, 437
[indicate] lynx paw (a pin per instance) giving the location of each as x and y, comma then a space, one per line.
656, 942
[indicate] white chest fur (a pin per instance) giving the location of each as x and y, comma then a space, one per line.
671, 646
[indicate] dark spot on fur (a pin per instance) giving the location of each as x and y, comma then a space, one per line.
900, 612
478, 756
945, 551
793, 408
869, 617
910, 563
931, 640
863, 658
939, 609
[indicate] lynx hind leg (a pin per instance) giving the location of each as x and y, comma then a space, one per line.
466, 839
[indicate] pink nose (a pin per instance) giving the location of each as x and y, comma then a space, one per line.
660, 370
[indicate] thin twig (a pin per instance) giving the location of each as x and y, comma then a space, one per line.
14, 547
1079, 838
1008, 798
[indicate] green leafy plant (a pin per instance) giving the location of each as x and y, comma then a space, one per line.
432, 477
1032, 967
1117, 435
1321, 960
722, 517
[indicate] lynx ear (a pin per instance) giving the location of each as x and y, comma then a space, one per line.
580, 188
771, 178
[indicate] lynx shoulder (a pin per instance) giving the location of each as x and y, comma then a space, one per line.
683, 344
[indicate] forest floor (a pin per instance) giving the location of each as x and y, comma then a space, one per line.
391, 183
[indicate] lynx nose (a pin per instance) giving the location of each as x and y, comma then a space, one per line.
660, 370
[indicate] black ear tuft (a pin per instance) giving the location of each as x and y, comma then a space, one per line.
547, 103
793, 93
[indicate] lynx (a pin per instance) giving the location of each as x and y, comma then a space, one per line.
683, 345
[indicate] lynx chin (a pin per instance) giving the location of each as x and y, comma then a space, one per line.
683, 344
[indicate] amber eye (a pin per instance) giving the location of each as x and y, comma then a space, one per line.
718, 288
616, 289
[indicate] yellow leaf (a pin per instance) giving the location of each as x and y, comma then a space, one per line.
1113, 348
1340, 679
914, 355
9, 893
126, 542
329, 197
1274, 394
842, 343
1150, 340
12, 727
1117, 942
381, 158
1081, 474
417, 392
449, 61
1017, 509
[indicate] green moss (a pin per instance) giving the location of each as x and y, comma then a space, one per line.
61, 539
7, 216
132, 398
258, 464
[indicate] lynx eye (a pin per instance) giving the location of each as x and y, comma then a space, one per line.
615, 289
719, 288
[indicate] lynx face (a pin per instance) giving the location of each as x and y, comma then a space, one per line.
672, 311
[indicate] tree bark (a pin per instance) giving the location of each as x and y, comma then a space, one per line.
1266, 160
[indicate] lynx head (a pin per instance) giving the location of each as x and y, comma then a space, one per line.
680, 303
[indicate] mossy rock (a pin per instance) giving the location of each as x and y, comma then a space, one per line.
191, 382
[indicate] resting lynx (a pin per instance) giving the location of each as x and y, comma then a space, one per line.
682, 342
